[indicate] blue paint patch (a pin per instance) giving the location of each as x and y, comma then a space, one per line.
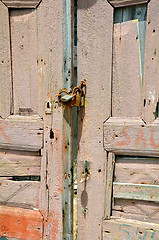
3, 238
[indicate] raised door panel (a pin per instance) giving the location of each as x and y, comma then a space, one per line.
5, 64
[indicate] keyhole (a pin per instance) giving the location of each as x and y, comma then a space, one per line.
48, 105
51, 134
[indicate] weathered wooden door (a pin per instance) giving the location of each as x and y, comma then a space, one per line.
31, 62
118, 56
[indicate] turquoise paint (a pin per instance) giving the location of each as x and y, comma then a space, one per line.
125, 230
153, 234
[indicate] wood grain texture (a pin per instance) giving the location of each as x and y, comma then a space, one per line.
139, 170
24, 194
124, 3
119, 229
151, 84
126, 93
19, 165
5, 63
136, 191
131, 137
24, 60
20, 223
94, 51
21, 3
21, 133
50, 79
136, 210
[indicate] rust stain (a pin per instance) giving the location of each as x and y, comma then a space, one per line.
140, 137
127, 140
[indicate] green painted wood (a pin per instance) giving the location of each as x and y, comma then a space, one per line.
136, 191
129, 13
67, 154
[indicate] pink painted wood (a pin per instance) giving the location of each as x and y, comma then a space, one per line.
95, 26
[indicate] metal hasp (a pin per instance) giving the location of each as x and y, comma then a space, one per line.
76, 97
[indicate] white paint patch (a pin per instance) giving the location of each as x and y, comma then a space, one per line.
151, 96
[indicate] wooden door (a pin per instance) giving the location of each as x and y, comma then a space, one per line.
118, 56
31, 62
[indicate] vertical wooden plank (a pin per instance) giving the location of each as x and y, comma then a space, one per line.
24, 60
127, 70
5, 63
109, 184
151, 83
67, 153
50, 80
94, 53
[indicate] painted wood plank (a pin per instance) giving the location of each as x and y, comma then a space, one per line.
24, 194
124, 3
14, 164
24, 61
137, 210
21, 133
21, 3
109, 184
5, 63
126, 66
67, 155
136, 191
121, 228
138, 170
150, 97
94, 53
131, 137
20, 223
50, 78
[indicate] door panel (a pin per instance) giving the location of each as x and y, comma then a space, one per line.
126, 84
31, 62
24, 60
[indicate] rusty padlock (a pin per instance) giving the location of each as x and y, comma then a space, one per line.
76, 101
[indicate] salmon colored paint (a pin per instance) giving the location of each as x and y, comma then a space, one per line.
21, 223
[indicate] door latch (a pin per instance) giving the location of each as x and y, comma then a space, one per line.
76, 97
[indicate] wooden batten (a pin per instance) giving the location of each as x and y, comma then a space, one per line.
126, 137
23, 194
21, 3
21, 133
19, 165
124, 3
120, 228
136, 191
